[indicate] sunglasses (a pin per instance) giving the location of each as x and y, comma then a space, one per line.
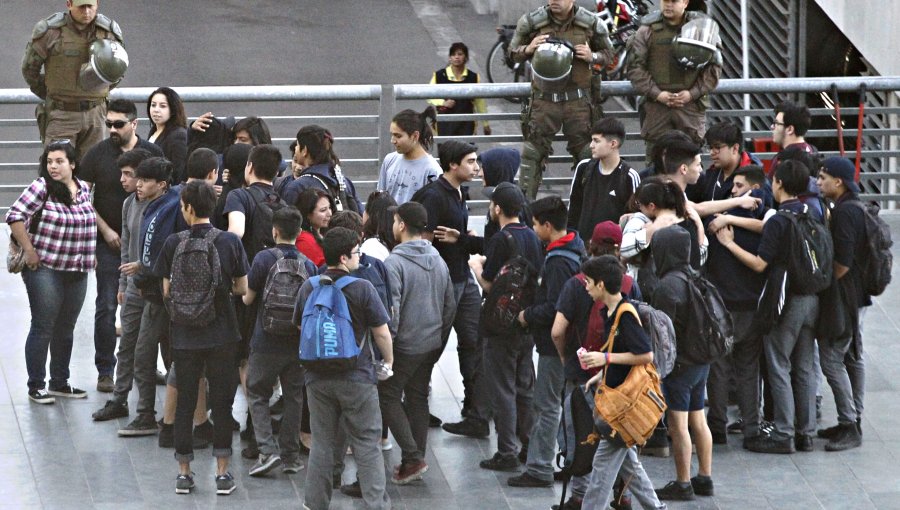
118, 124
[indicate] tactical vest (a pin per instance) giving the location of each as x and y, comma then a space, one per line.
576, 31
64, 63
462, 105
666, 72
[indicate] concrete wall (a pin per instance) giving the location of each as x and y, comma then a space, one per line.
871, 25
509, 11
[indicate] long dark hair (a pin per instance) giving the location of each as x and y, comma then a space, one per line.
57, 191
306, 204
380, 221
177, 117
663, 193
411, 121
319, 142
255, 127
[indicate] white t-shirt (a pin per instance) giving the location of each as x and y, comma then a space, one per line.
373, 248
402, 178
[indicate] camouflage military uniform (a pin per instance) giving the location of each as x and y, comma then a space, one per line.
574, 105
60, 48
652, 69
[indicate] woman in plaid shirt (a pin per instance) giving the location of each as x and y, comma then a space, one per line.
59, 254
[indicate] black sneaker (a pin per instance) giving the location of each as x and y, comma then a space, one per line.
225, 484
294, 466
830, 432
166, 435
500, 463
526, 480
434, 422
803, 443
702, 485
68, 391
572, 503
735, 427
765, 443
264, 464
766, 427
719, 438
41, 396
676, 491
202, 435
111, 411
848, 437
143, 425
184, 484
353, 490
469, 427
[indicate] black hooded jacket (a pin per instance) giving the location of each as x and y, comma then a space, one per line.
671, 248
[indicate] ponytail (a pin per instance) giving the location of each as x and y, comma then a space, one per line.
664, 194
319, 142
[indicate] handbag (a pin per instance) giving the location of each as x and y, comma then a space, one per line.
15, 257
632, 409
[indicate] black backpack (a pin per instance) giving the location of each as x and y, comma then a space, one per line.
196, 276
710, 331
279, 296
878, 261
258, 231
512, 291
811, 253
343, 199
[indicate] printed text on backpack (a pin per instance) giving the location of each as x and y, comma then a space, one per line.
327, 342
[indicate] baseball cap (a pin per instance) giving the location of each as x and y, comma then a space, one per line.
412, 213
79, 3
843, 169
607, 232
507, 195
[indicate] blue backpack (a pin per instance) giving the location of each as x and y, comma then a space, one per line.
327, 342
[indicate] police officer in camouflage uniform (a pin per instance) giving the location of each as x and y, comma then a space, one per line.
572, 103
62, 44
675, 95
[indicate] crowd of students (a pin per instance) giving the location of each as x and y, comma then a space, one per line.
410, 270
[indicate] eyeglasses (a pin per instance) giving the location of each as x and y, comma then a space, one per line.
118, 124
776, 123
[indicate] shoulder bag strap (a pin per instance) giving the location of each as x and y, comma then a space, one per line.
608, 346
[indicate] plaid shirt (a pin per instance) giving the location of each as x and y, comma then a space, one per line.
66, 239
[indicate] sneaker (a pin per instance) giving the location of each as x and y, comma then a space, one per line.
202, 435
105, 384
766, 427
353, 490
469, 427
572, 503
735, 427
847, 438
803, 443
765, 443
225, 484
500, 463
41, 396
166, 435
719, 438
434, 422
526, 480
265, 464
830, 432
143, 425
703, 485
409, 471
68, 391
676, 491
111, 411
291, 467
184, 484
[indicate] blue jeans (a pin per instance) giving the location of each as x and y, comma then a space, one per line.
108, 261
55, 298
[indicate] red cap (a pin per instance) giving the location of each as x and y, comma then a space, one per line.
607, 232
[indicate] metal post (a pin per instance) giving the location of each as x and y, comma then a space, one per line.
745, 57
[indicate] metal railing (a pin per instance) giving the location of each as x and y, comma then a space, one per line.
370, 137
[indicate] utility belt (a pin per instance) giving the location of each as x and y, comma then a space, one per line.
73, 106
562, 97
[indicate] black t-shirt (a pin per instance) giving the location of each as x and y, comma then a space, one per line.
240, 200
595, 198
630, 337
575, 304
498, 249
99, 168
224, 328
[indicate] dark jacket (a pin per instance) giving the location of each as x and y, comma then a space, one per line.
173, 143
671, 256
500, 165
556, 271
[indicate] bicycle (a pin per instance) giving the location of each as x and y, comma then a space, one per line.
503, 69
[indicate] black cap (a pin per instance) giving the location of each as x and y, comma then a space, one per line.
843, 169
412, 213
507, 195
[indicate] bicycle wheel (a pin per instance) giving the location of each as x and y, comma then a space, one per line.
497, 69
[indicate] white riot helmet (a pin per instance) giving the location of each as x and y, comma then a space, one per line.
697, 44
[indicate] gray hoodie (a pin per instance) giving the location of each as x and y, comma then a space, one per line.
422, 297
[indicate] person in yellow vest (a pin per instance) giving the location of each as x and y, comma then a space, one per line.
566, 45
675, 62
457, 72
82, 55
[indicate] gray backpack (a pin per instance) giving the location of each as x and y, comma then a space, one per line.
195, 278
279, 295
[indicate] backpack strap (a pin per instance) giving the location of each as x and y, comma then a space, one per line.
574, 257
